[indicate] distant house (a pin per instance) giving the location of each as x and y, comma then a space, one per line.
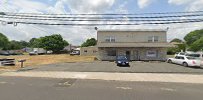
141, 44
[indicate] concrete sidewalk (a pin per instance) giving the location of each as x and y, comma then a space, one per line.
143, 77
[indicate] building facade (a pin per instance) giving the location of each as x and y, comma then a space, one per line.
89, 51
134, 44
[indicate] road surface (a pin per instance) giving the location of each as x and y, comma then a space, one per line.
22, 88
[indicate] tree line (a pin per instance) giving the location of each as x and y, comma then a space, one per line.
53, 42
193, 41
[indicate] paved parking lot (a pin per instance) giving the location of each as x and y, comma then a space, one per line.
105, 66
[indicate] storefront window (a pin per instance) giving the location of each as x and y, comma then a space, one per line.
152, 53
111, 53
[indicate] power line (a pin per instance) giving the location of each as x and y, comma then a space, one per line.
10, 13
99, 19
111, 17
118, 24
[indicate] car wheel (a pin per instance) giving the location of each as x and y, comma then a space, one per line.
169, 61
185, 64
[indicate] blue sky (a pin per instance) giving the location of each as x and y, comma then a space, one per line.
77, 35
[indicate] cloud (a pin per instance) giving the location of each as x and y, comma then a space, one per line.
195, 5
191, 5
144, 3
179, 2
75, 35
88, 6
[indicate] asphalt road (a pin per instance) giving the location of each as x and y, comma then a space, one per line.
20, 88
105, 66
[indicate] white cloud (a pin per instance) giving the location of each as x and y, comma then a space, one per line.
89, 6
144, 3
179, 2
195, 5
75, 35
191, 5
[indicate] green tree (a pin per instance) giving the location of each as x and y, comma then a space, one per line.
89, 42
24, 44
3, 41
193, 36
14, 45
197, 45
179, 46
54, 42
176, 40
34, 42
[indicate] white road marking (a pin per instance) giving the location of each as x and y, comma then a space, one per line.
81, 76
167, 89
124, 88
3, 82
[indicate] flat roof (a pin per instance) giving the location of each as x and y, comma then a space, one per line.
131, 30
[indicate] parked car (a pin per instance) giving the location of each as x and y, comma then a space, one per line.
38, 51
180, 53
185, 61
5, 53
49, 52
197, 55
33, 53
122, 61
75, 52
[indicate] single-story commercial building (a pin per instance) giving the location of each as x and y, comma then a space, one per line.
89, 51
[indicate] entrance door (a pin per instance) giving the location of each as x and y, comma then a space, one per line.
128, 55
136, 55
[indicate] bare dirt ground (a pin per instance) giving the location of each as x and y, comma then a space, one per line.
45, 59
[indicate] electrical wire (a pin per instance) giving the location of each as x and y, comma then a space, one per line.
111, 17
10, 13
99, 19
116, 24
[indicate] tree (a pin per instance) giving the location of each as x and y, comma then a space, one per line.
24, 44
34, 42
197, 45
3, 41
89, 42
14, 45
54, 42
176, 40
179, 46
193, 36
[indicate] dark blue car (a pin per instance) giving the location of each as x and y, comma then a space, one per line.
122, 61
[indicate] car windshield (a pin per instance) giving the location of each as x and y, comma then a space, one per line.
121, 57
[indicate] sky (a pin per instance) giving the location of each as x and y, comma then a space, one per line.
77, 35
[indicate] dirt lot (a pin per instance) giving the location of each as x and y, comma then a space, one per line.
45, 59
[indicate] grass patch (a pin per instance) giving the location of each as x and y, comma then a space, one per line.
46, 59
